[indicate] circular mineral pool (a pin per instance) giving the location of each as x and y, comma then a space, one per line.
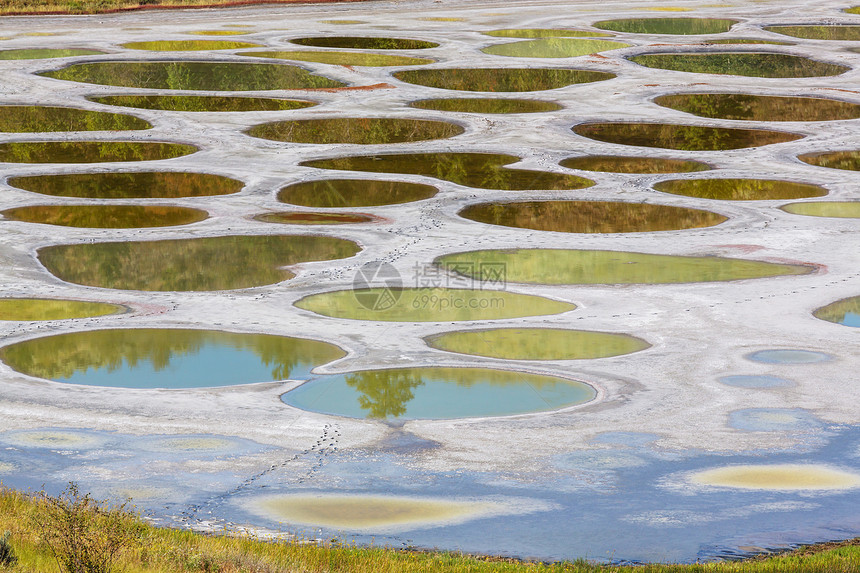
339, 193
188, 45
487, 105
794, 477
364, 43
773, 420
202, 103
356, 130
53, 309
106, 216
544, 33
848, 160
750, 107
750, 64
341, 58
788, 356
39, 118
845, 312
129, 185
840, 32
314, 218
681, 137
167, 358
437, 393
500, 79
740, 189
838, 209
90, 151
45, 53
553, 48
627, 164
591, 216
755, 381
670, 26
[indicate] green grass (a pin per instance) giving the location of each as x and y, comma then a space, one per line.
99, 6
174, 551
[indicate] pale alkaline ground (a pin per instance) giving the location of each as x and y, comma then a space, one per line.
615, 478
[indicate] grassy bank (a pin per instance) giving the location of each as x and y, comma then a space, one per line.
172, 551
44, 7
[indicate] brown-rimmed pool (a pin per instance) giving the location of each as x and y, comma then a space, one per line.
753, 107
500, 79
681, 137
53, 309
671, 26
314, 218
537, 343
591, 216
740, 189
38, 118
364, 43
838, 209
487, 105
630, 164
751, 64
483, 170
341, 58
167, 358
437, 393
106, 216
843, 32
553, 48
188, 45
130, 185
202, 103
90, 151
204, 264
849, 160
356, 130
183, 75
845, 312
577, 266
429, 304
338, 193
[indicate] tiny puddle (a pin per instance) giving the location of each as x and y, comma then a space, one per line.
205, 264
839, 209
365, 511
760, 108
356, 130
342, 22
487, 105
750, 64
364, 43
306, 218
553, 48
849, 160
682, 137
35, 118
210, 76
342, 58
537, 343
338, 193
812, 477
429, 304
442, 19
45, 53
188, 45
90, 151
845, 312
544, 33
202, 103
218, 32
838, 32
563, 266
740, 189
167, 358
755, 381
27, 309
773, 420
482, 170
500, 79
106, 216
590, 216
136, 185
437, 393
671, 26
788, 356
627, 164
53, 439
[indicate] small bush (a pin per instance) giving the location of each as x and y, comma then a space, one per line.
7, 554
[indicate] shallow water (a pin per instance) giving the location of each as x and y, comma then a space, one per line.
537, 343
90, 151
839, 209
45, 53
487, 105
337, 193
755, 381
356, 130
553, 48
563, 266
188, 45
672, 26
484, 170
740, 189
211, 263
806, 477
364, 43
591, 216
202, 103
106, 216
845, 312
751, 64
543, 33
627, 164
761, 108
500, 79
53, 309
341, 58
218, 32
429, 304
167, 358
210, 76
849, 160
788, 356
306, 218
437, 393
36, 118
842, 32
132, 185
682, 137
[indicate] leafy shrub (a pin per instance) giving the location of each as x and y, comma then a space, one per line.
7, 554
